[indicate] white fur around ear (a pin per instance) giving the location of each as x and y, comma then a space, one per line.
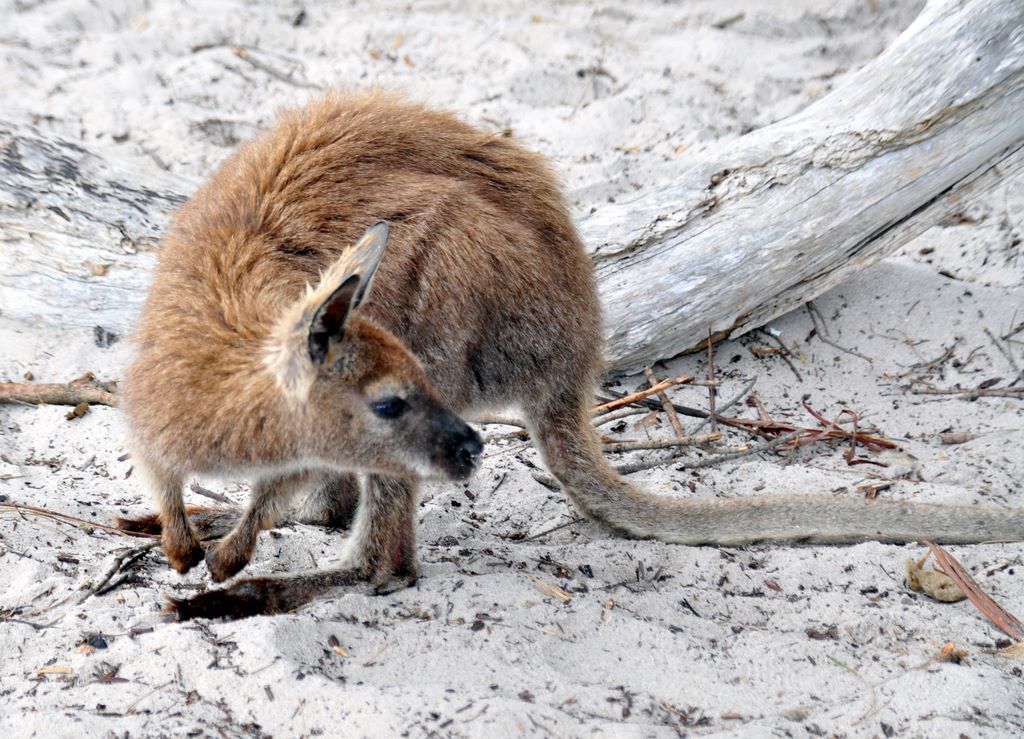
300, 338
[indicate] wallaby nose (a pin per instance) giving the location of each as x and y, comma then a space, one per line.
465, 447
458, 454
470, 448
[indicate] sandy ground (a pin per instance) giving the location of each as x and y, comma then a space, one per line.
640, 638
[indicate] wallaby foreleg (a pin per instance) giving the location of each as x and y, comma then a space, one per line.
268, 503
178, 538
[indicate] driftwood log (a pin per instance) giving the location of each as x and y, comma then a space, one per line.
750, 232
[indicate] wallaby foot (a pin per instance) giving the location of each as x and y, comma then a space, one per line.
395, 584
260, 595
224, 561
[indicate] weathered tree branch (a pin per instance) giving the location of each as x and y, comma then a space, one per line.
750, 232
795, 208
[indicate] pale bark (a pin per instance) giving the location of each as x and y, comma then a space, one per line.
751, 231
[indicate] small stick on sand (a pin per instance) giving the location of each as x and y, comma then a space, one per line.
666, 404
500, 421
680, 441
712, 391
121, 562
206, 493
995, 613
290, 79
643, 394
86, 389
74, 520
625, 469
822, 333
1008, 354
972, 394
607, 418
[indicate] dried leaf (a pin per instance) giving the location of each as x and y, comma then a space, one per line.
936, 585
77, 412
550, 590
54, 670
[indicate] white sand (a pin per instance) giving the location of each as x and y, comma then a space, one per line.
656, 639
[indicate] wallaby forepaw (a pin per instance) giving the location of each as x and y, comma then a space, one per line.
224, 562
183, 557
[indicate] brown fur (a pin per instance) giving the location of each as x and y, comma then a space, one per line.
484, 298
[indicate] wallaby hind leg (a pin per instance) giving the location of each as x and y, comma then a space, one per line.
178, 538
332, 501
268, 504
382, 543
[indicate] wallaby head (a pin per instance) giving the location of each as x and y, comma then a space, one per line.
361, 395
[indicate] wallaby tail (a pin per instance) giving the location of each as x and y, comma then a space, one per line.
571, 450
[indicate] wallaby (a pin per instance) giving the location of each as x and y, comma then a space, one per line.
272, 347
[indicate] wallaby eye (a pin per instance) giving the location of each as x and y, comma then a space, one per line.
390, 408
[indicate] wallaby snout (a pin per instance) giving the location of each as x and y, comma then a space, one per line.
458, 446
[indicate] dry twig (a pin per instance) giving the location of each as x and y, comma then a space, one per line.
244, 55
642, 394
712, 391
972, 393
74, 520
86, 389
666, 404
626, 469
681, 441
121, 564
822, 333
206, 493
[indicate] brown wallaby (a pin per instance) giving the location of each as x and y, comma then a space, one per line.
271, 347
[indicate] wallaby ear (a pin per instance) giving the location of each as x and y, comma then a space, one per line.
353, 274
366, 256
302, 338
329, 319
